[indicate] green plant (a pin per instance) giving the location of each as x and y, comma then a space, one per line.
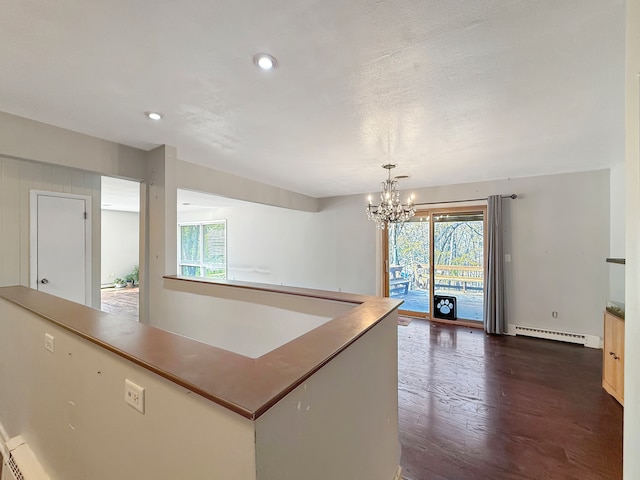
119, 282
134, 276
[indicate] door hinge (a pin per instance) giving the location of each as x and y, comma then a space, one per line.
85, 215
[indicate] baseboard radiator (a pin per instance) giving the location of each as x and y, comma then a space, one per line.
21, 463
591, 341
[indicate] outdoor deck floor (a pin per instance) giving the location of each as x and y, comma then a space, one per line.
469, 305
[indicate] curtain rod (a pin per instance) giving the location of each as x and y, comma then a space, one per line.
513, 196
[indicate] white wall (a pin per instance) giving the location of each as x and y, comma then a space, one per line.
334, 249
276, 245
617, 231
207, 180
120, 244
180, 435
617, 177
356, 242
559, 241
316, 424
632, 269
30, 140
17, 178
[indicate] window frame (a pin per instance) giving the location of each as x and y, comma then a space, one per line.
201, 264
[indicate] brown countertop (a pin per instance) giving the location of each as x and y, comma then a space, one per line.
244, 385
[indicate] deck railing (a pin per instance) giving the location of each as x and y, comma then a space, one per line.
452, 276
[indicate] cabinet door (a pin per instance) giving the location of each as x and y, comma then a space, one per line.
618, 349
609, 366
613, 364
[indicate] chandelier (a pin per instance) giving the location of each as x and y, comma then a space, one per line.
390, 210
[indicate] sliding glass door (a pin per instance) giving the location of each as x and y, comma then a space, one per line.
407, 264
459, 262
436, 264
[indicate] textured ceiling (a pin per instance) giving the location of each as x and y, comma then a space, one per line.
453, 91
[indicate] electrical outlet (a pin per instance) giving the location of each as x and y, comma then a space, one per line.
50, 342
134, 395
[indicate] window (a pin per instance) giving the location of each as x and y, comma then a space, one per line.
203, 249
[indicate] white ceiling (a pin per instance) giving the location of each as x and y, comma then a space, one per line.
453, 91
121, 195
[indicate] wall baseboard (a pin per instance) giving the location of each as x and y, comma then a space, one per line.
591, 341
398, 475
4, 438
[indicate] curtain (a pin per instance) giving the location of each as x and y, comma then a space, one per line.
494, 312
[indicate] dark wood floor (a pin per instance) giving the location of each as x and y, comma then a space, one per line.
476, 407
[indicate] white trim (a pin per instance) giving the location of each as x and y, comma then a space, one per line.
33, 238
436, 206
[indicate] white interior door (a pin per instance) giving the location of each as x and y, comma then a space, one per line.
60, 245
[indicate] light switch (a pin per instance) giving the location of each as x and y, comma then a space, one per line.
507, 257
50, 342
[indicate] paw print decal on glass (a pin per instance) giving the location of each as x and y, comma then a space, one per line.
444, 306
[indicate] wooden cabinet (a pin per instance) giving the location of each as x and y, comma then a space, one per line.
613, 356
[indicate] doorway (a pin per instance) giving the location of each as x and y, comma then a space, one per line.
435, 262
120, 242
60, 245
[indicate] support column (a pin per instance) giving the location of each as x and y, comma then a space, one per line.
158, 239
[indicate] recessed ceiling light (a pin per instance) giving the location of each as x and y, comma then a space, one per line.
153, 115
265, 61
